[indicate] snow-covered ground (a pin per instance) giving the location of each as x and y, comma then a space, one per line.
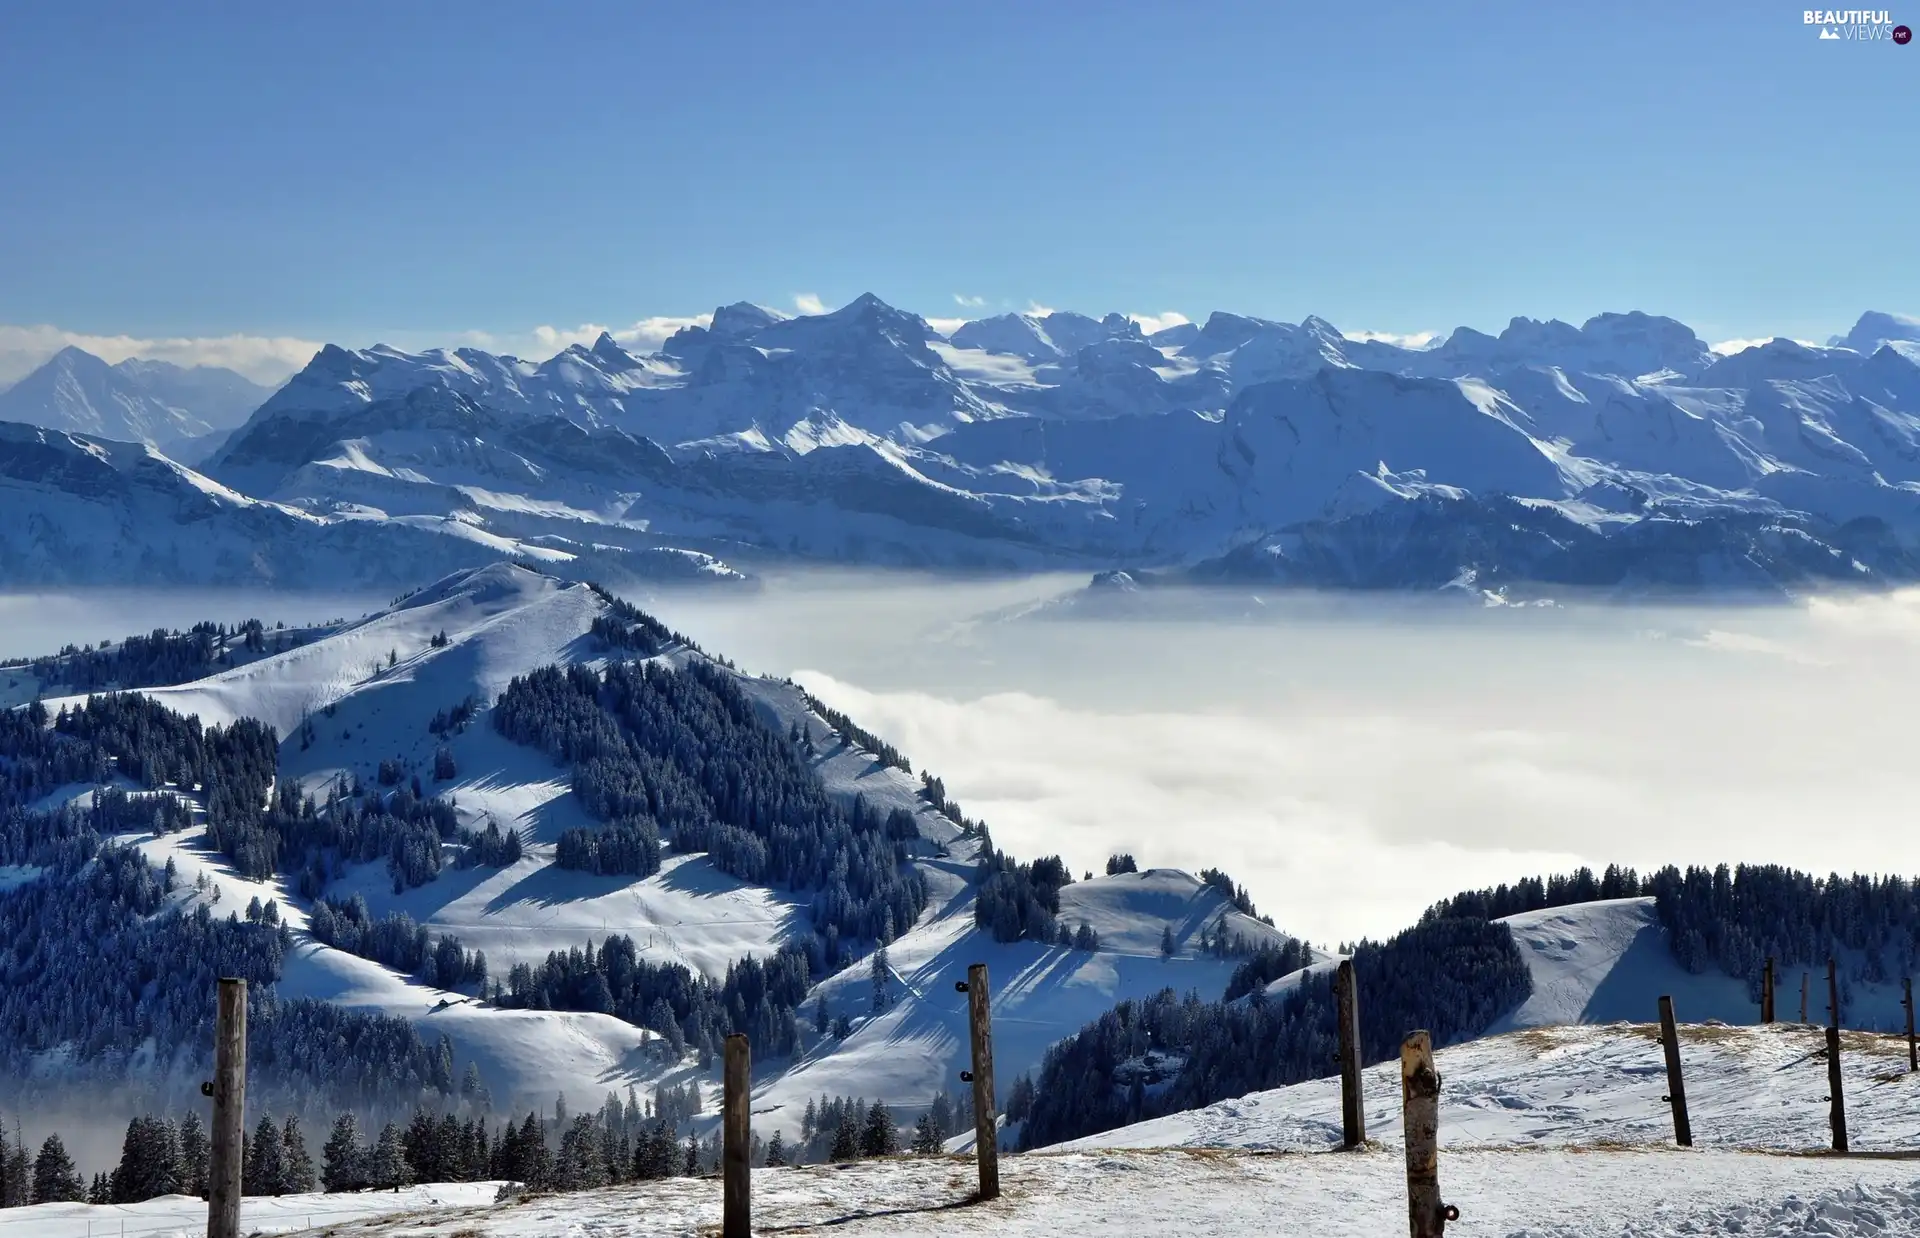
1747, 1087
182, 1216
1596, 1193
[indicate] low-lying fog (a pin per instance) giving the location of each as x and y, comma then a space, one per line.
1351, 760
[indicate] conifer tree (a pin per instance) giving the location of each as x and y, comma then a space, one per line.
55, 1180
846, 1138
296, 1165
386, 1166
877, 1137
193, 1155
926, 1136
777, 1149
264, 1170
343, 1158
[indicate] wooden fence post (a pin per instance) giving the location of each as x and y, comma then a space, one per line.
1913, 1053
229, 1092
1803, 997
736, 1192
1837, 1101
1353, 1114
1676, 1084
1427, 1216
1766, 992
986, 1127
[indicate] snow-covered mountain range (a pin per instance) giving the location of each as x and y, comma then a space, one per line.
1620, 453
179, 410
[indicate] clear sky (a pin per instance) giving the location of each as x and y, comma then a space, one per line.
435, 172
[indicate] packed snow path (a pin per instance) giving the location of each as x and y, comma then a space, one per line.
1562, 1193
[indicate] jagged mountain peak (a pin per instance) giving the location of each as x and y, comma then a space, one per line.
1877, 327
740, 320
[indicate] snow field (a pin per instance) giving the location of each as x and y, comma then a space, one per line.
183, 1216
1561, 1193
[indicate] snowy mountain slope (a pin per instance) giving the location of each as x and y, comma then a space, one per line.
1747, 1087
82, 510
1040, 993
365, 694
136, 401
861, 434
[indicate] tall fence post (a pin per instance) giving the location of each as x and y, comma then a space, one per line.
1836, 1101
736, 1192
1766, 992
1803, 997
1353, 1114
986, 1127
229, 1092
1913, 1052
1427, 1216
1676, 1084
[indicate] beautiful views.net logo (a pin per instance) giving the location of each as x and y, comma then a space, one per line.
1856, 25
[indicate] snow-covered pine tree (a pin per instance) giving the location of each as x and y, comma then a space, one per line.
296, 1163
55, 1179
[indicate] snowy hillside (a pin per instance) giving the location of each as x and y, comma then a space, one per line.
366, 694
1619, 454
1747, 1087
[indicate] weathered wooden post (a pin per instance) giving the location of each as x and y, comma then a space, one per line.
736, 1193
1427, 1216
1803, 997
986, 1127
229, 1092
1676, 1084
1766, 992
1836, 1101
1913, 1053
1353, 1114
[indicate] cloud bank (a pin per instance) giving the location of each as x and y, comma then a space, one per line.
1351, 762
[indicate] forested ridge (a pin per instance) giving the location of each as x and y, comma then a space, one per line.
1453, 973
656, 751
159, 658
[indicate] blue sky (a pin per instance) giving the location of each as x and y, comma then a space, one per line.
428, 172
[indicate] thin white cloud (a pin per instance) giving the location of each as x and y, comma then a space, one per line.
1038, 310
966, 302
1726, 348
264, 359
1413, 339
947, 326
1150, 323
643, 336
808, 303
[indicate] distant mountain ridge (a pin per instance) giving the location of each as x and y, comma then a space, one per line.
174, 408
1063, 440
